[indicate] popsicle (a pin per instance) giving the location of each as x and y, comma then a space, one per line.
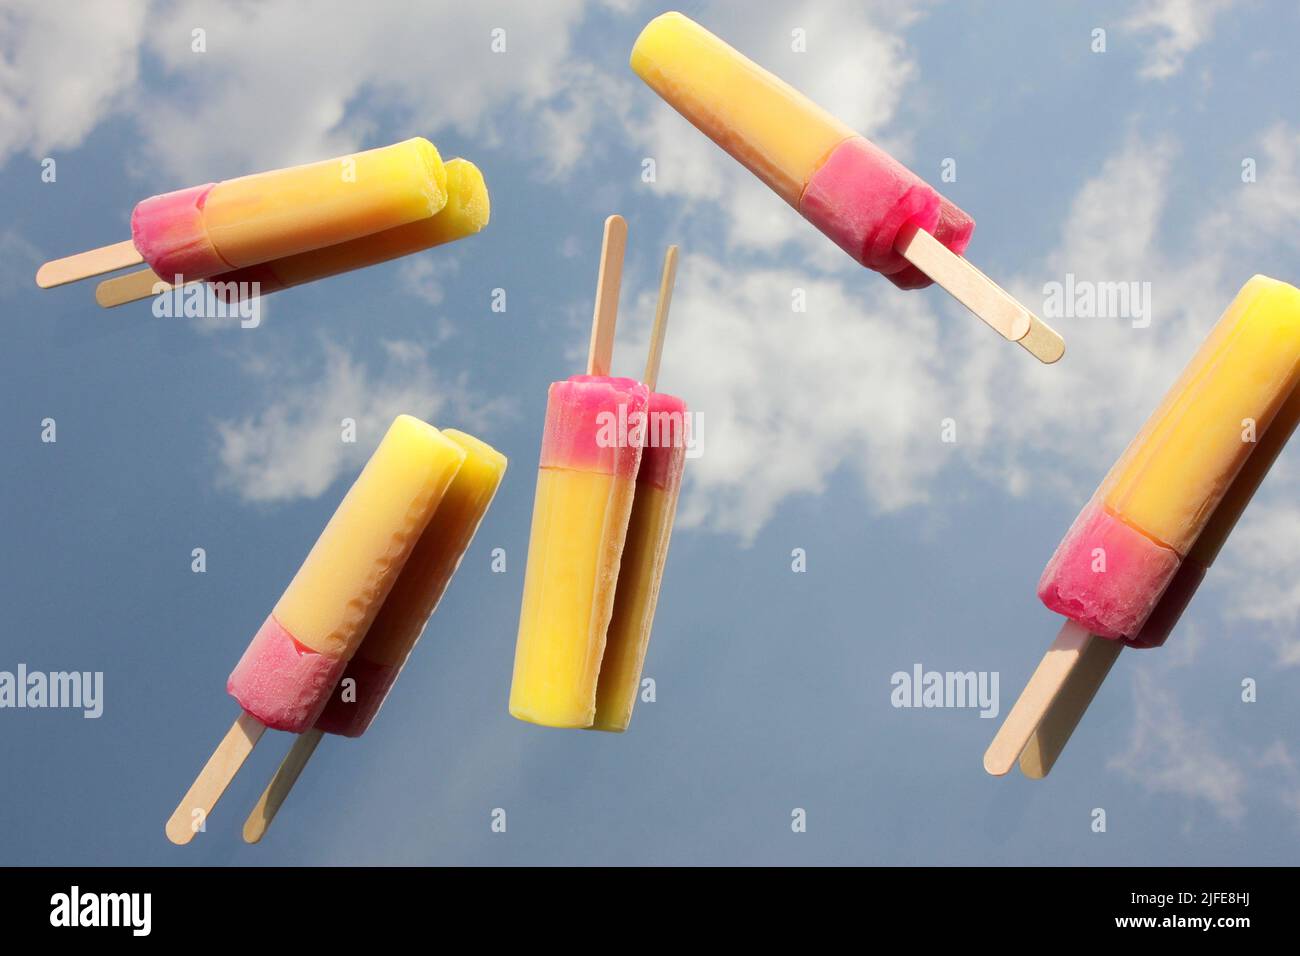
645, 550
1099, 654
872, 206
465, 213
210, 229
296, 658
585, 486
373, 669
1163, 511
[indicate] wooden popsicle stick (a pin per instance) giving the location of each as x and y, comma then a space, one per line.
980, 294
130, 288
657, 333
1036, 699
215, 776
92, 262
1054, 730
608, 282
259, 821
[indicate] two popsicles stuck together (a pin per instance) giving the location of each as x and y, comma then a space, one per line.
602, 520
328, 654
1131, 562
270, 231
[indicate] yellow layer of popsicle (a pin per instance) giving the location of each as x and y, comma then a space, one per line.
774, 130
334, 597
267, 215
1170, 479
434, 560
465, 213
639, 576
568, 594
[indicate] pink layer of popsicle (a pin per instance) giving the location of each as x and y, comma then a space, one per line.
1169, 609
954, 230
861, 197
169, 233
589, 424
350, 719
282, 683
1114, 602
667, 431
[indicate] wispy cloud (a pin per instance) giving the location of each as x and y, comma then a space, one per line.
61, 75
788, 397
1261, 570
293, 446
1172, 29
314, 104
1167, 754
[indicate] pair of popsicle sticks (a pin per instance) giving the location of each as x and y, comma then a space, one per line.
600, 353
94, 262
985, 299
1053, 702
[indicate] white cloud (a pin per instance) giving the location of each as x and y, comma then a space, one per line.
61, 75
1178, 26
789, 397
1169, 755
1261, 569
421, 276
292, 448
245, 105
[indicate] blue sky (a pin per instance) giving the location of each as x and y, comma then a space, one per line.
822, 432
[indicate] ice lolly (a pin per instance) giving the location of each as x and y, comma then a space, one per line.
206, 230
370, 674
1126, 545
466, 213
585, 485
1168, 503
1099, 654
876, 209
645, 550
297, 656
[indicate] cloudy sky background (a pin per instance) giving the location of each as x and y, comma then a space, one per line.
822, 431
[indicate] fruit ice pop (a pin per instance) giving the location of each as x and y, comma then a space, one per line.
872, 206
1127, 543
1133, 558
206, 230
1098, 655
397, 627
585, 489
297, 656
586, 481
645, 550
466, 213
